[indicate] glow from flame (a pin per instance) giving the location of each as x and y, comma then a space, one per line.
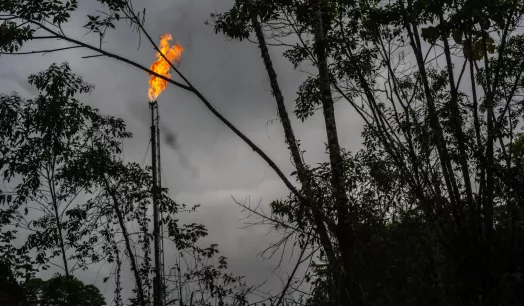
161, 66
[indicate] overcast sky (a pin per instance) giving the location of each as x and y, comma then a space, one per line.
206, 164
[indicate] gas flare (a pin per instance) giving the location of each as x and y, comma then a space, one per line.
161, 66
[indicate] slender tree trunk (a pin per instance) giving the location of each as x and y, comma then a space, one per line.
51, 182
302, 172
490, 88
456, 119
447, 170
476, 207
489, 164
488, 199
59, 229
132, 259
344, 232
118, 291
61, 239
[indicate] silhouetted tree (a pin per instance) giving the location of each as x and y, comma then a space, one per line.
57, 148
58, 291
439, 135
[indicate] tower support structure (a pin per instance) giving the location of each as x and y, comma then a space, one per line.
155, 189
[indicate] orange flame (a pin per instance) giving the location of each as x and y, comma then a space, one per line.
161, 66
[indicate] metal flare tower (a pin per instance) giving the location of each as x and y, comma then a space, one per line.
158, 249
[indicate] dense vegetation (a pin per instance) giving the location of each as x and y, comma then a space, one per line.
429, 212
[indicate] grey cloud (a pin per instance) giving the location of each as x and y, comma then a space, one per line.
22, 82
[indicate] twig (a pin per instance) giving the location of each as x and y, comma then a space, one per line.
290, 278
42, 51
91, 56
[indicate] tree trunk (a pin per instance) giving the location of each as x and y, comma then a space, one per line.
348, 293
447, 170
303, 175
456, 119
132, 259
475, 208
59, 229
